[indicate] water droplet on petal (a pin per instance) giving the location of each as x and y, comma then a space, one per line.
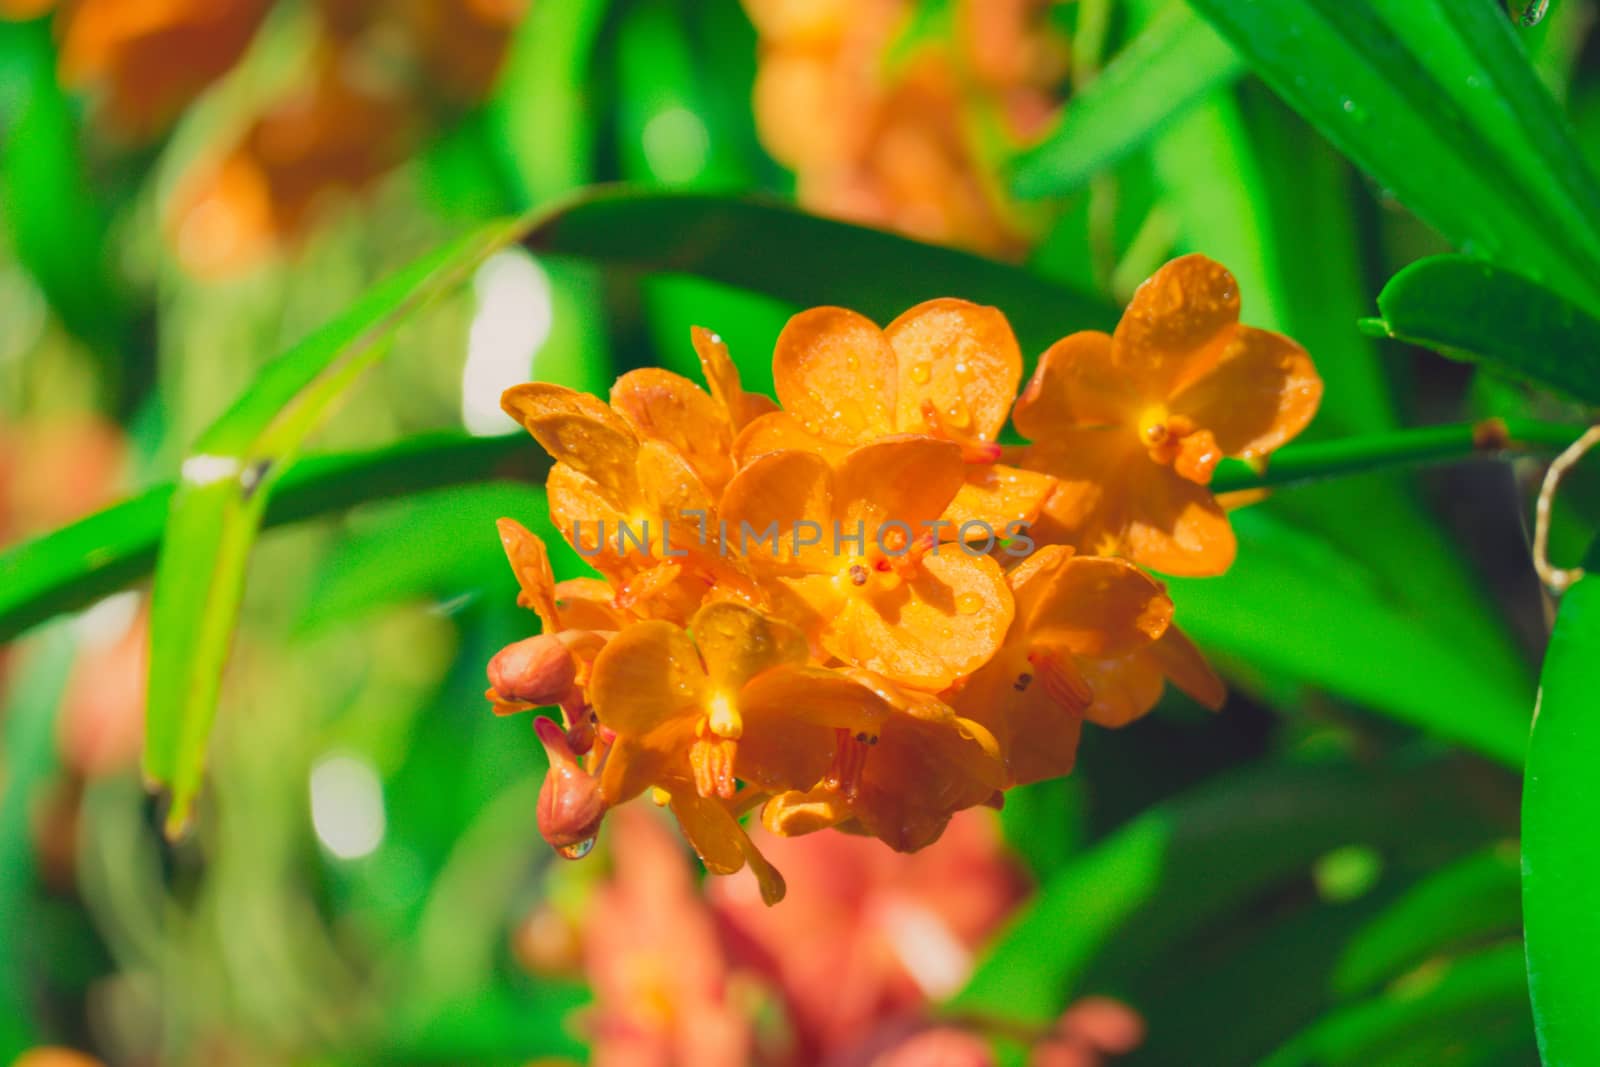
958, 416
967, 603
577, 850
920, 373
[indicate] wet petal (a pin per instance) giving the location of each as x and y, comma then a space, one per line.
1179, 313
768, 498
662, 406
814, 695
580, 431
671, 491
648, 674
907, 479
779, 431
722, 378
1096, 606
997, 496
916, 778
738, 643
530, 562
963, 359
1124, 689
836, 373
588, 604
589, 520
711, 829
1261, 391
1075, 386
1088, 507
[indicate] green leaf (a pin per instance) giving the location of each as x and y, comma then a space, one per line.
76, 565
1178, 866
1477, 999
802, 259
217, 508
1471, 899
1171, 64
1297, 605
1429, 98
1560, 850
1467, 309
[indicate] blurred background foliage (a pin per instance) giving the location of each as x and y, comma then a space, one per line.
1324, 873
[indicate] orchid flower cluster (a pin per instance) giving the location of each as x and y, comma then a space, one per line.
857, 609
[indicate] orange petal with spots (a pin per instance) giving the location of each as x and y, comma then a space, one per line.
1261, 391
580, 431
589, 519
647, 675
1172, 325
722, 378
662, 406
960, 357
836, 373
907, 479
530, 562
1075, 386
1096, 606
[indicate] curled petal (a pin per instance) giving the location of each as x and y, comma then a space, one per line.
836, 373
1124, 689
1172, 323
963, 358
722, 377
580, 431
530, 562
1186, 668
647, 675
1261, 391
796, 813
662, 406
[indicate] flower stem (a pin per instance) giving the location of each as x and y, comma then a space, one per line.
1321, 460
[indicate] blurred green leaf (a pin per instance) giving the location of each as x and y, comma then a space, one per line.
1467, 309
58, 225
1180, 865
1436, 101
77, 564
1174, 61
217, 508
1296, 604
1440, 1019
770, 248
1560, 850
1472, 898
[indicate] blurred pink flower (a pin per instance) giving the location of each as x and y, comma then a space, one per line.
866, 934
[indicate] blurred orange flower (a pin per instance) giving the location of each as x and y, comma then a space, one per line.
1132, 424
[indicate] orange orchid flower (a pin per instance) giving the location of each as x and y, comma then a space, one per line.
732, 700
636, 508
1133, 424
946, 368
1126, 688
903, 784
896, 600
1075, 614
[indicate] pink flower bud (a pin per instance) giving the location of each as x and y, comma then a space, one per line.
537, 670
570, 805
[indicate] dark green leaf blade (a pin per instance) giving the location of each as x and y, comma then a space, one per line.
1560, 850
1173, 62
1467, 309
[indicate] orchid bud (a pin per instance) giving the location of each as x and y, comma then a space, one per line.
570, 804
537, 670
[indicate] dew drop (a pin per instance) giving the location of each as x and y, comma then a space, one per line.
577, 850
958, 416
920, 373
967, 603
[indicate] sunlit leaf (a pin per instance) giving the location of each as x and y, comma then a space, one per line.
1468, 309
1172, 63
